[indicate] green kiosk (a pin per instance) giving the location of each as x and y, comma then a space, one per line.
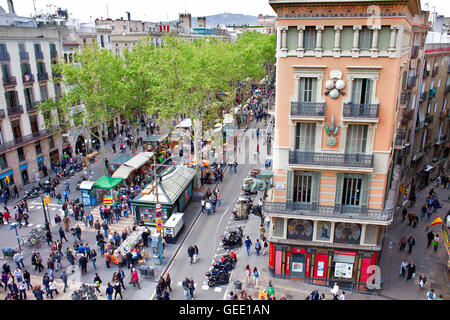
174, 191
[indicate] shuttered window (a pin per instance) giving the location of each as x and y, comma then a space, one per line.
352, 190
365, 38
361, 91
356, 139
306, 187
307, 89
305, 136
309, 38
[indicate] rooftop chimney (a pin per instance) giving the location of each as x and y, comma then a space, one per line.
10, 6
129, 16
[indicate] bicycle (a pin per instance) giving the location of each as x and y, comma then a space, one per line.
33, 242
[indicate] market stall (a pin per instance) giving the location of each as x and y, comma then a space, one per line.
88, 195
155, 141
107, 183
174, 191
115, 163
131, 244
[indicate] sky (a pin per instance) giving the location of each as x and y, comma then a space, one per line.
155, 11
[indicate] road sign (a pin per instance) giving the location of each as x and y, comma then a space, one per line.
7, 179
158, 206
158, 214
262, 295
159, 224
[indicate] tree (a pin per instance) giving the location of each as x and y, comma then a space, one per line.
91, 83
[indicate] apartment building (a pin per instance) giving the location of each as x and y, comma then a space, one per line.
338, 82
26, 144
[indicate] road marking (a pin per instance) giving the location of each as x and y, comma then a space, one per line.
179, 283
205, 287
218, 289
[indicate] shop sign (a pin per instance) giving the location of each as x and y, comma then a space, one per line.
298, 250
271, 255
345, 253
343, 270
288, 262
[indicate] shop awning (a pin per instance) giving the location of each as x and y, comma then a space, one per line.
137, 161
107, 183
147, 154
87, 185
120, 160
123, 172
156, 138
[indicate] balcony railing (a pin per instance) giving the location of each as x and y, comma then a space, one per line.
353, 110
414, 52
9, 81
405, 96
4, 56
14, 110
308, 109
25, 139
407, 116
423, 96
331, 159
412, 82
406, 150
2, 113
43, 76
39, 55
28, 78
399, 138
24, 56
313, 209
32, 106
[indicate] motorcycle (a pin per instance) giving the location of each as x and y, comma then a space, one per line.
78, 167
222, 278
33, 193
234, 239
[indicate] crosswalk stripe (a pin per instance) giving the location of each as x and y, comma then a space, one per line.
205, 287
218, 289
179, 283
31, 207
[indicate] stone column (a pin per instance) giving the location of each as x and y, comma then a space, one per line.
355, 48
393, 39
374, 48
319, 30
337, 39
284, 38
300, 30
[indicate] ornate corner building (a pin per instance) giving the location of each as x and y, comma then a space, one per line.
340, 67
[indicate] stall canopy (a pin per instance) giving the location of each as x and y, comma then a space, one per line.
146, 154
120, 160
107, 183
186, 123
123, 172
87, 185
174, 180
155, 138
137, 161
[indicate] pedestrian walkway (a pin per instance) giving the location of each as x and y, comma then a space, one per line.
427, 261
118, 226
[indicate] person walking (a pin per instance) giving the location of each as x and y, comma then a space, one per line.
195, 254
52, 287
117, 288
168, 281
107, 256
422, 281
248, 273
18, 259
27, 279
23, 290
265, 246
403, 266
404, 213
257, 247
109, 291
185, 285
38, 293
219, 198
62, 235
191, 251
423, 211
430, 238
63, 277
208, 207
135, 278
436, 242
83, 263
411, 243
93, 258
97, 282
403, 242
191, 287
411, 270
255, 276
248, 244
431, 295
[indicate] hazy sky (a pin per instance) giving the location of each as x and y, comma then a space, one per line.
154, 10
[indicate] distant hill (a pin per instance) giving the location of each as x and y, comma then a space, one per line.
227, 19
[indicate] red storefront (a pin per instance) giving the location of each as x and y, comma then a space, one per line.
322, 266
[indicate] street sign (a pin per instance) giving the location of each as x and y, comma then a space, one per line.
159, 225
262, 295
7, 179
158, 206
158, 214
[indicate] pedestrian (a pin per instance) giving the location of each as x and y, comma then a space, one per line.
93, 258
109, 291
342, 296
403, 242
18, 259
107, 256
48, 237
208, 207
248, 273
191, 287
66, 222
62, 235
185, 285
195, 254
257, 247
121, 276
83, 263
257, 148
63, 277
255, 276
430, 238
191, 251
404, 213
38, 293
422, 281
411, 243
203, 204
219, 198
248, 244
436, 205
403, 266
27, 279
335, 291
438, 181
415, 220
52, 287
265, 246
135, 278
431, 295
262, 231
436, 242
168, 281
411, 271
97, 282
23, 290
117, 287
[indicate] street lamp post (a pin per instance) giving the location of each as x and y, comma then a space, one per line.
47, 225
14, 226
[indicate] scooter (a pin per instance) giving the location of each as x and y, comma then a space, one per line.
223, 278
234, 239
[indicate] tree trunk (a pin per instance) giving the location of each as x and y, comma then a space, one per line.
197, 133
133, 129
102, 148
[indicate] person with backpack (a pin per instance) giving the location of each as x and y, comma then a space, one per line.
431, 295
109, 291
248, 244
255, 276
257, 247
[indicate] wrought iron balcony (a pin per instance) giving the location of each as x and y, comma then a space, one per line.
314, 109
355, 110
9, 81
4, 57
28, 78
337, 211
331, 159
39, 55
405, 96
407, 116
399, 138
414, 52
406, 150
43, 76
26, 139
24, 56
32, 106
14, 110
412, 82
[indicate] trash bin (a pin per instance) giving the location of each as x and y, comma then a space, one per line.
8, 252
238, 285
147, 271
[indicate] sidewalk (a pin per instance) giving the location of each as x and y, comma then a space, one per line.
427, 261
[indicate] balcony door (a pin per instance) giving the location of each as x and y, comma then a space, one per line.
15, 125
305, 136
352, 191
34, 124
361, 91
307, 90
6, 71
28, 92
12, 99
356, 139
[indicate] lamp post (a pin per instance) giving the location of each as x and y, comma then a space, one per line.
47, 225
14, 226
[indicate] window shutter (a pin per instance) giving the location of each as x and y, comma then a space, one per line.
302, 90
365, 186
338, 198
315, 190
289, 188
356, 91
368, 91
313, 90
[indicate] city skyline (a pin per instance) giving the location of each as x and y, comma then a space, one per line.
144, 10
